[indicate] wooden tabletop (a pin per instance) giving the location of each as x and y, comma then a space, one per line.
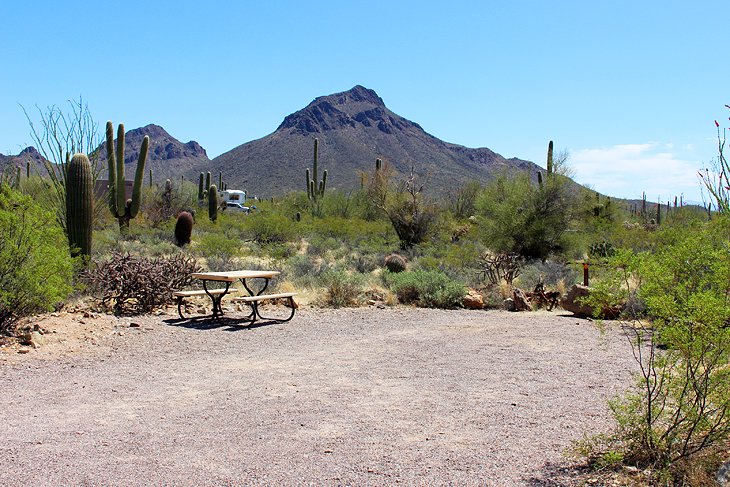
232, 276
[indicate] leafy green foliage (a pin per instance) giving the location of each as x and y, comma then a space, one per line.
517, 216
35, 265
429, 289
680, 409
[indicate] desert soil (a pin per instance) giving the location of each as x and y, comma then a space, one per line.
363, 396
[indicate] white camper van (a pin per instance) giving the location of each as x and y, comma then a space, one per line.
234, 200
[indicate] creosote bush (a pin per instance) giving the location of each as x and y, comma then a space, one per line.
137, 285
678, 414
429, 289
35, 264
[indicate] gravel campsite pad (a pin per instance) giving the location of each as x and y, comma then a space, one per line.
362, 396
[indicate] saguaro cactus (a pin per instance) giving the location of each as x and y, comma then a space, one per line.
201, 189
315, 188
79, 204
122, 208
550, 159
213, 203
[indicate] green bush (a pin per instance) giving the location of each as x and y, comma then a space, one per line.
429, 289
218, 250
342, 288
35, 264
516, 215
679, 411
266, 228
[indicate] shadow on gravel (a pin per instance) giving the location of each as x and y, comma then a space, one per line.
559, 475
226, 324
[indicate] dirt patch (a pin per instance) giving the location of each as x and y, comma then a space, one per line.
356, 396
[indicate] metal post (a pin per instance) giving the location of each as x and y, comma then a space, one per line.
585, 274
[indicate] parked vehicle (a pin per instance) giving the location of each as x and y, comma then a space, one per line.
233, 206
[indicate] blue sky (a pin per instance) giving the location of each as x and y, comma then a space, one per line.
631, 89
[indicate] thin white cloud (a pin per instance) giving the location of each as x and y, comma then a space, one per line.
627, 170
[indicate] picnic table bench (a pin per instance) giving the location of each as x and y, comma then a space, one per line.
254, 297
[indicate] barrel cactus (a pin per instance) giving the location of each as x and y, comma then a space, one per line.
79, 204
183, 228
395, 263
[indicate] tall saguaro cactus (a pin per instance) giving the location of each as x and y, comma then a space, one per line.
122, 208
315, 187
79, 204
550, 159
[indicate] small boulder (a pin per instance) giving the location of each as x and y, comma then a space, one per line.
473, 300
509, 304
570, 301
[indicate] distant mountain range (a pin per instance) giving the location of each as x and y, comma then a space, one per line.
353, 127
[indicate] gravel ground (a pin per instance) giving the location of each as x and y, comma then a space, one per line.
335, 397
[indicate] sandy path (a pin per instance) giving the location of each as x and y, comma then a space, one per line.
355, 397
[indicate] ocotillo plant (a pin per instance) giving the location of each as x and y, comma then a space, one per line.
550, 159
79, 204
213, 203
122, 208
315, 188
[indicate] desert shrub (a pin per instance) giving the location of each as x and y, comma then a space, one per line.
266, 228
218, 250
365, 263
429, 289
550, 273
301, 265
679, 411
319, 245
342, 288
35, 264
136, 285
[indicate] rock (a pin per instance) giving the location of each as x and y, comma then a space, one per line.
522, 302
509, 304
34, 339
24, 350
723, 474
134, 325
569, 302
473, 300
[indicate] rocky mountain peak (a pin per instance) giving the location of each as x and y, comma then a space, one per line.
356, 107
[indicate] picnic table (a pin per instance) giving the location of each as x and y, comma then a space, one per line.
227, 278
